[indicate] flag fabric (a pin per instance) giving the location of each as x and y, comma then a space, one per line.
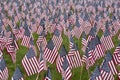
26, 37
41, 40
3, 41
111, 64
59, 60
42, 61
106, 71
119, 37
96, 75
48, 75
57, 39
84, 41
39, 30
30, 62
3, 70
66, 70
50, 52
116, 55
17, 75
107, 41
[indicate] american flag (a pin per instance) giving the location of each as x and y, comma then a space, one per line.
111, 64
106, 40
42, 61
99, 48
42, 40
48, 75
106, 72
3, 41
84, 41
11, 47
74, 58
66, 70
116, 55
26, 38
57, 39
39, 30
78, 29
96, 75
3, 70
17, 75
70, 31
30, 62
59, 60
50, 52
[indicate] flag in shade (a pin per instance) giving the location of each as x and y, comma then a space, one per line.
17, 75
42, 61
66, 72
50, 52
116, 55
3, 70
57, 39
99, 48
30, 62
26, 37
106, 72
42, 40
96, 75
59, 60
74, 58
111, 64
70, 31
106, 40
3, 41
48, 75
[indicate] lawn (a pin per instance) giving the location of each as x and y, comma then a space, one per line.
77, 74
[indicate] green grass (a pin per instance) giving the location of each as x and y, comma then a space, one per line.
77, 74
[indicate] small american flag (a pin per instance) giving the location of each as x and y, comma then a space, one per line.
3, 70
106, 72
42, 61
119, 37
39, 30
96, 75
17, 75
116, 55
30, 62
57, 39
26, 37
50, 52
107, 41
66, 70
59, 60
111, 64
42, 40
84, 41
48, 75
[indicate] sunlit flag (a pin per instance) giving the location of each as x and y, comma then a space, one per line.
96, 75
17, 75
50, 52
3, 70
30, 62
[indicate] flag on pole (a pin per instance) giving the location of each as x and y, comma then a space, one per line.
30, 62
59, 60
50, 52
106, 40
17, 75
66, 70
42, 61
96, 75
116, 55
3, 70
84, 41
57, 39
